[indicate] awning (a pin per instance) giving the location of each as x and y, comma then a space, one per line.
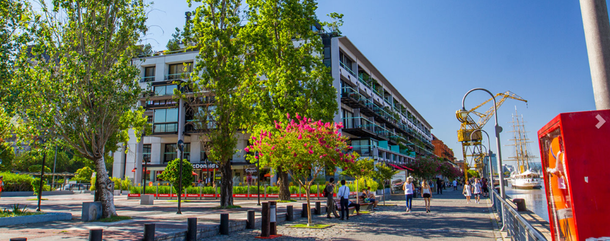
395, 166
405, 167
267, 175
195, 174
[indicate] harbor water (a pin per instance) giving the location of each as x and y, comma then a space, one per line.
535, 200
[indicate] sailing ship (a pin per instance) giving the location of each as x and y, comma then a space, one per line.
523, 177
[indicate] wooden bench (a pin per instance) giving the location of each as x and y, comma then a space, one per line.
352, 209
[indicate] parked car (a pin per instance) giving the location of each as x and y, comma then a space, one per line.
72, 187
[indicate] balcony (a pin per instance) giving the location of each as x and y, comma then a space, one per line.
178, 76
147, 79
165, 128
348, 69
359, 126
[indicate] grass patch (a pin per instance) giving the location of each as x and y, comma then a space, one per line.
364, 212
114, 219
286, 201
36, 199
16, 211
183, 201
227, 207
316, 226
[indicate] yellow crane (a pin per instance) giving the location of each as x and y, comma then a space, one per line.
471, 143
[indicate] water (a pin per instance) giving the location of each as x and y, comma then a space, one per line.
535, 200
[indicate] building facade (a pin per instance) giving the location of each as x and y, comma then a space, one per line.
441, 150
379, 121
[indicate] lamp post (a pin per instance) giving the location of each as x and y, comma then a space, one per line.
489, 153
258, 181
180, 148
40, 188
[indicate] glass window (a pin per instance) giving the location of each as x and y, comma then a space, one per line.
146, 153
149, 71
348, 119
169, 152
160, 115
165, 90
171, 115
187, 151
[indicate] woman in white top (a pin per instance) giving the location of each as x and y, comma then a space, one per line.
467, 191
477, 190
426, 194
409, 189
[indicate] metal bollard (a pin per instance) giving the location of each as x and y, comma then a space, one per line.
191, 231
272, 218
318, 208
251, 222
95, 234
19, 239
289, 213
304, 211
149, 232
265, 219
224, 223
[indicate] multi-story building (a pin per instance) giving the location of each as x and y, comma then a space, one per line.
379, 121
441, 150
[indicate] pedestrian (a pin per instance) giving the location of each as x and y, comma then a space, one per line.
467, 191
426, 194
352, 204
330, 202
485, 189
477, 190
439, 186
409, 189
368, 194
1, 185
344, 195
454, 185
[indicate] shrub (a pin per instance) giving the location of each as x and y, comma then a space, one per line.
120, 184
36, 168
36, 185
240, 190
192, 190
165, 189
208, 190
135, 190
294, 189
253, 189
273, 190
83, 175
16, 182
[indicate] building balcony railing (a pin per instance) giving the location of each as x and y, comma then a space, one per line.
349, 92
178, 76
348, 69
165, 128
147, 79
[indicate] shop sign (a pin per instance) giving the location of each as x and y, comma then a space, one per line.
204, 166
250, 170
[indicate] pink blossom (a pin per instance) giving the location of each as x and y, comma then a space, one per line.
300, 137
350, 147
256, 157
321, 157
288, 115
298, 117
305, 145
273, 147
310, 151
295, 154
247, 149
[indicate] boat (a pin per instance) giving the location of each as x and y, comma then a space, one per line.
522, 177
526, 180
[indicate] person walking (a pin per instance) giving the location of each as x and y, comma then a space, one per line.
454, 185
344, 195
439, 186
426, 194
477, 190
330, 202
409, 190
484, 184
1, 185
467, 191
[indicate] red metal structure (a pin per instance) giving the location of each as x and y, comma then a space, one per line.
576, 165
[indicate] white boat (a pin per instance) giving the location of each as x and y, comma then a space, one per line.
526, 180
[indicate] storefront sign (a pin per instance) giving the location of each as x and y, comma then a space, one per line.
204, 166
250, 170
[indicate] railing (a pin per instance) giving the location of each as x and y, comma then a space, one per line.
350, 92
165, 128
177, 76
359, 122
514, 224
147, 79
348, 69
365, 82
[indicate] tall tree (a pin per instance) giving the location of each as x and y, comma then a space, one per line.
220, 74
289, 57
77, 81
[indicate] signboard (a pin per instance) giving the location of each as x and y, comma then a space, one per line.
250, 170
204, 166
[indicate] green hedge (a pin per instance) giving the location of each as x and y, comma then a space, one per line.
16, 182
273, 190
36, 185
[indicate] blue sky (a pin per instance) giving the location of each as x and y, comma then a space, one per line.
433, 52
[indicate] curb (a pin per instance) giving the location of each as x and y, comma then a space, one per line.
47, 217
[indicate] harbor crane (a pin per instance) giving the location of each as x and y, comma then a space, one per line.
469, 135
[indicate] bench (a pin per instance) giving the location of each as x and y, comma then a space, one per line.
352, 209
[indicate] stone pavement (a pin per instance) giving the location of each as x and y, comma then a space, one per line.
451, 219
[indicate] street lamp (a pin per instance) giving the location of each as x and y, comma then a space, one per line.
180, 148
498, 129
258, 181
489, 153
44, 158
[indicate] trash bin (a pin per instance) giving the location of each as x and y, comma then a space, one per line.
520, 204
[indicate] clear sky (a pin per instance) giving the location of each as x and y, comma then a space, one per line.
433, 52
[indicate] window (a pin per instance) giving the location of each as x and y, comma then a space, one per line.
165, 90
187, 151
165, 120
176, 71
169, 152
149, 74
346, 61
146, 153
348, 119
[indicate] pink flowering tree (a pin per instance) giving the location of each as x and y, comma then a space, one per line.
304, 148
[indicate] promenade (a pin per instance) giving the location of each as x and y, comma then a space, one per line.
450, 219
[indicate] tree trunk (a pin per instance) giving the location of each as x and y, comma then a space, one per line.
104, 188
309, 222
226, 184
283, 184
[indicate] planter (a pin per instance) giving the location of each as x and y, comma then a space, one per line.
192, 195
240, 195
273, 195
163, 195
256, 196
208, 195
294, 195
42, 218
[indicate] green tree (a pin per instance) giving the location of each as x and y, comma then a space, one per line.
288, 55
384, 173
76, 81
425, 167
36, 168
83, 175
172, 173
364, 168
7, 155
221, 70
472, 173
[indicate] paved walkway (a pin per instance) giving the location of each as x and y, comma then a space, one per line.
451, 219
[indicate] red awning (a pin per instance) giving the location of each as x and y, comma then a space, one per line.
134, 170
267, 175
195, 174
405, 167
395, 166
